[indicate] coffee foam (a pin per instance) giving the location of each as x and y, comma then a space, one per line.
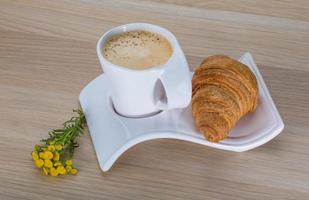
137, 49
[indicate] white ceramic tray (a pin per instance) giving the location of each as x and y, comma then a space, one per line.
113, 134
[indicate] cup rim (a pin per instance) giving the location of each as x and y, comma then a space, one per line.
131, 27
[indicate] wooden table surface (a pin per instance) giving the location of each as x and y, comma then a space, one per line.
47, 55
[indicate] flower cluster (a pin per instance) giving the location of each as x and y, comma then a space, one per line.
54, 157
49, 160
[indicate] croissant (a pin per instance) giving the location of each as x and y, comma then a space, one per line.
223, 90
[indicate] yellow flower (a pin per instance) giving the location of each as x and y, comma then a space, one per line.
51, 148
56, 156
42, 155
48, 163
57, 163
45, 171
74, 171
34, 155
39, 163
61, 170
53, 172
58, 147
69, 162
48, 155
68, 168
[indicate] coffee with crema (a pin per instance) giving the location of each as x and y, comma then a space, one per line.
137, 49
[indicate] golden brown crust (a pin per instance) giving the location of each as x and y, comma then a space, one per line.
221, 80
230, 64
223, 90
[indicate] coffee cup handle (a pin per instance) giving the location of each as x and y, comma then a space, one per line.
176, 81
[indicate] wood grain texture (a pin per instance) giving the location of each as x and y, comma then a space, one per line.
47, 55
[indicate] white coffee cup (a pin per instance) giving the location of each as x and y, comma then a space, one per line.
140, 93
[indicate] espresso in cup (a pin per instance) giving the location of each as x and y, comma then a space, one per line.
137, 49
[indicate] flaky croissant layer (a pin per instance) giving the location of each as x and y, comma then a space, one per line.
223, 90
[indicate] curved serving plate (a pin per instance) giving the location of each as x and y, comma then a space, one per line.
113, 134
